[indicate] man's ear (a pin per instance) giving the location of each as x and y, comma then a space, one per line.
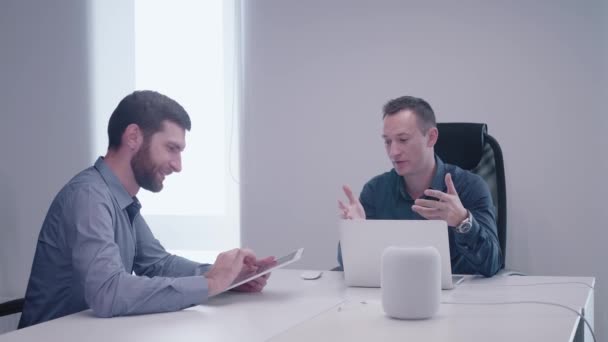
433, 135
133, 137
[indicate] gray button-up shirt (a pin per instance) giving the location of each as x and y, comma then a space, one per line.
89, 255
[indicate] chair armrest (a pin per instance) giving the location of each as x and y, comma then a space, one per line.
11, 307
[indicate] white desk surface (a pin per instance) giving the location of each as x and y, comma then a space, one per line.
293, 309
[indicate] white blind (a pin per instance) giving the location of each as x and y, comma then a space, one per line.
185, 49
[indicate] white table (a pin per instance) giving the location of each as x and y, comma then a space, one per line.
292, 309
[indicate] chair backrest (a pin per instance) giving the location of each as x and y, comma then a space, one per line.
469, 146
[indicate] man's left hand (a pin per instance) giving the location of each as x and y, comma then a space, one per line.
447, 207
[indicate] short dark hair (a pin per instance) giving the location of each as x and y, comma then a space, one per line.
147, 109
422, 109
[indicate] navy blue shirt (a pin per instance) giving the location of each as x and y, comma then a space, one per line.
475, 252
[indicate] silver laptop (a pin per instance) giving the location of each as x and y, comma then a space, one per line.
363, 242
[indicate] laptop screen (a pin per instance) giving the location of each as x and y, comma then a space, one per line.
363, 242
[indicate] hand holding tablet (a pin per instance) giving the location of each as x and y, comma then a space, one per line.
267, 268
251, 267
240, 270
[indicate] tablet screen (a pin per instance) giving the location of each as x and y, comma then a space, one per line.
280, 262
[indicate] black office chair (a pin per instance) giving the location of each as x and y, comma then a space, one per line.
11, 307
469, 146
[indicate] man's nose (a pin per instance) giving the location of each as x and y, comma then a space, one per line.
176, 163
393, 150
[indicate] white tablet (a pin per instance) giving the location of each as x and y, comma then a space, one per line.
280, 262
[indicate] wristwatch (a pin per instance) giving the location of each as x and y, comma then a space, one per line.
466, 224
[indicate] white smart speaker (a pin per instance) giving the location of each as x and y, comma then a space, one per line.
411, 282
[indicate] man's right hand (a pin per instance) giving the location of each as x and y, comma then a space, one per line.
353, 210
228, 265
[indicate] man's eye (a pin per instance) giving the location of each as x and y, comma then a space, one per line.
387, 142
403, 141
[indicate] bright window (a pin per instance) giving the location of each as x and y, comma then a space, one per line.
186, 50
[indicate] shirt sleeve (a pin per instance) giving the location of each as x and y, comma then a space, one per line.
479, 247
110, 290
153, 260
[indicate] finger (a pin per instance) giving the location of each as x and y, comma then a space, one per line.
247, 287
441, 196
427, 213
429, 203
343, 209
256, 285
259, 281
249, 261
247, 256
266, 262
349, 194
450, 184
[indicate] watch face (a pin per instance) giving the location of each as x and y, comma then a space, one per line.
464, 228
466, 225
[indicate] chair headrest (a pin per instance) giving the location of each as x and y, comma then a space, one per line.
461, 143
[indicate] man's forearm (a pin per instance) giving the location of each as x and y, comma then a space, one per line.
125, 294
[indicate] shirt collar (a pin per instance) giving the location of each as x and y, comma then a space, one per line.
116, 188
438, 182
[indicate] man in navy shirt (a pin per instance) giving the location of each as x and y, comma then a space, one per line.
421, 186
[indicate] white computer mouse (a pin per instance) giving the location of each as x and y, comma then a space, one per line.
311, 275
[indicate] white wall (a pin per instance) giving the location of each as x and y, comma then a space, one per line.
54, 76
318, 72
44, 92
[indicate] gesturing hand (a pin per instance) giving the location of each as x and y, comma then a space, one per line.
447, 207
352, 210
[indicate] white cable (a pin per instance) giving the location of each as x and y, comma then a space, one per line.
531, 302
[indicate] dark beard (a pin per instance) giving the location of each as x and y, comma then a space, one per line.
143, 169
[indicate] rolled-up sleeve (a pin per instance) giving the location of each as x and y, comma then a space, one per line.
109, 289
